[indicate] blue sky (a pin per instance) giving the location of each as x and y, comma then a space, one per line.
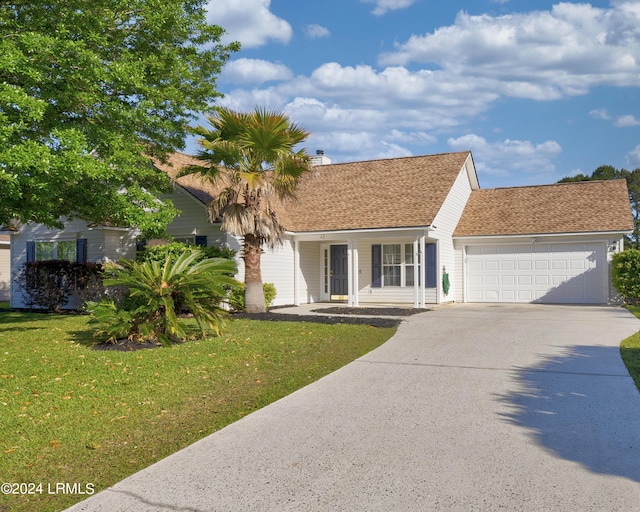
537, 90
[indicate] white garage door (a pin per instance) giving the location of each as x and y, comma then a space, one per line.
545, 273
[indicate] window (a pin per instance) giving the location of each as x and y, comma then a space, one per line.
186, 240
409, 265
63, 250
192, 240
69, 250
394, 264
391, 265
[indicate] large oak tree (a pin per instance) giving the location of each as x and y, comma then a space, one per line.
89, 91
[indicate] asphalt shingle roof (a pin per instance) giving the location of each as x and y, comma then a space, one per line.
389, 193
576, 207
409, 192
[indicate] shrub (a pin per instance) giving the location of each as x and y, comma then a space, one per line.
156, 294
236, 298
160, 252
626, 274
50, 284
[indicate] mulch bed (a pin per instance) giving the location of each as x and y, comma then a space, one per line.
366, 316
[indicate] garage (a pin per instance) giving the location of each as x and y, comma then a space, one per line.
567, 273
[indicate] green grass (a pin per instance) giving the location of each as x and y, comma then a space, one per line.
630, 350
4, 304
72, 414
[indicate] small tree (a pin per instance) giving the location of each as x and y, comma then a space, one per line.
254, 157
626, 274
157, 293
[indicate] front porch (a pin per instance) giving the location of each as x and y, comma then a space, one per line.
366, 268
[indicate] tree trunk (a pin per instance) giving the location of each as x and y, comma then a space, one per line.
253, 293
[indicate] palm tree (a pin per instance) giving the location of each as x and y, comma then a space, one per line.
252, 157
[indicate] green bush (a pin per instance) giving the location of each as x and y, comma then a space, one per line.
157, 294
236, 298
160, 252
626, 274
49, 284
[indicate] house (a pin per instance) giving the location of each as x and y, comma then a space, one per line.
5, 277
414, 231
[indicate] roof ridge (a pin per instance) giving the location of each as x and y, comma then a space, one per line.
551, 184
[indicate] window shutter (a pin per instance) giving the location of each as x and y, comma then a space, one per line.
376, 266
81, 250
201, 240
31, 251
431, 266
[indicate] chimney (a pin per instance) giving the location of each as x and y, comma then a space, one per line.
319, 158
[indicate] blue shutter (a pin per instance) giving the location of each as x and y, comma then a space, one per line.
31, 251
81, 250
431, 266
201, 241
376, 266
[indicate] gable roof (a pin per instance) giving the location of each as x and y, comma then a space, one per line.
575, 207
201, 189
389, 193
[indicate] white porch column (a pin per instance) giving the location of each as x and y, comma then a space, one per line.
296, 271
416, 273
350, 273
423, 264
356, 273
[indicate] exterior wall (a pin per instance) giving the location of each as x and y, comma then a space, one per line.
310, 281
73, 230
276, 267
5, 271
193, 220
613, 243
444, 225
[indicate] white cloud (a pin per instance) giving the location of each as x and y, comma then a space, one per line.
619, 122
497, 157
633, 158
538, 55
316, 31
600, 113
626, 121
383, 6
249, 21
255, 71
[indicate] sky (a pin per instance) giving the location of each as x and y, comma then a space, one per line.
536, 90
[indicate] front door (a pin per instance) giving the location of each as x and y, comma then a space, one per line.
339, 279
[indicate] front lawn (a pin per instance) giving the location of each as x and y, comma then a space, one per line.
76, 415
630, 350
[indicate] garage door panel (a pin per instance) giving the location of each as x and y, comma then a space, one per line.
549, 273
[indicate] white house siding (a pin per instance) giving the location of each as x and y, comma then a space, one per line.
5, 271
445, 223
193, 220
118, 243
609, 245
310, 280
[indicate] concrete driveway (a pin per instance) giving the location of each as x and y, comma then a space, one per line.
467, 408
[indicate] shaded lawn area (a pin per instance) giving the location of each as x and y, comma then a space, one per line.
630, 350
72, 414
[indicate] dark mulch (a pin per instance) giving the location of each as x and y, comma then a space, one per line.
359, 315
370, 316
380, 311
